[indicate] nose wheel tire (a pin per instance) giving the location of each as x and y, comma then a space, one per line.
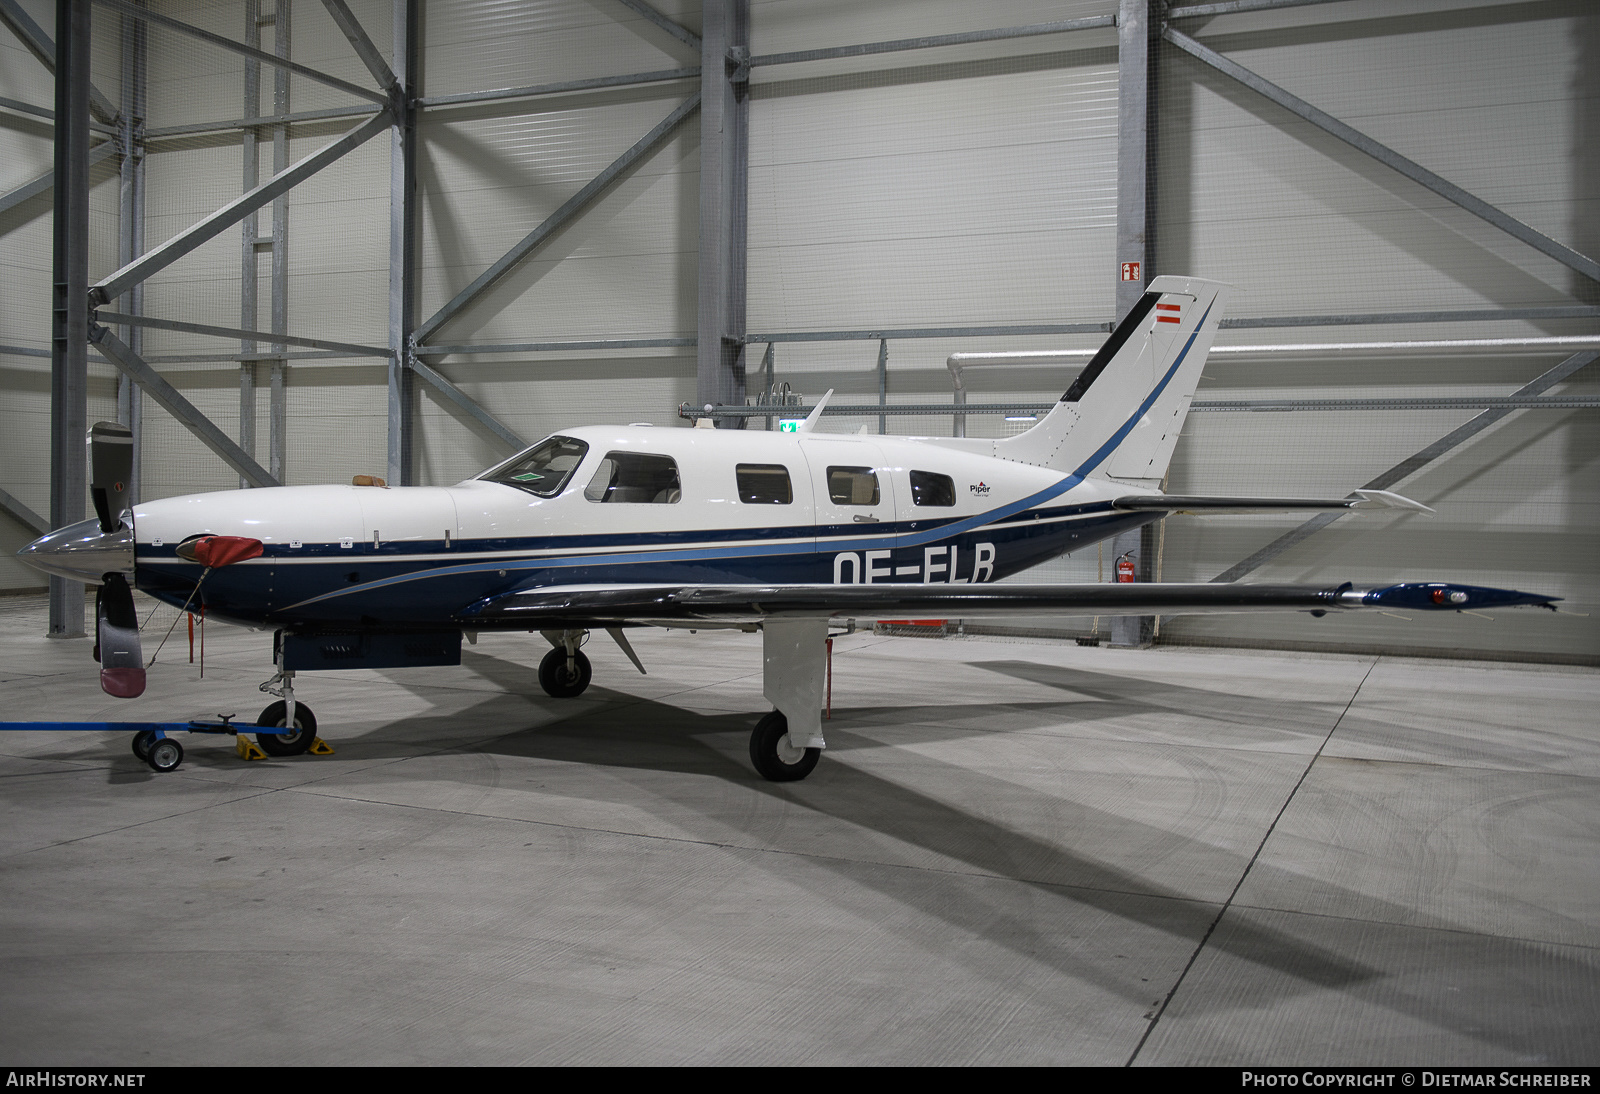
165, 755
291, 742
562, 682
774, 757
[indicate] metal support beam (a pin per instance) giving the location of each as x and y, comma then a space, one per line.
278, 288
1558, 311
1387, 156
1411, 465
1228, 7
69, 319
960, 408
403, 247
254, 121
561, 87
23, 515
250, 233
221, 220
134, 61
724, 155
114, 350
32, 189
560, 347
929, 332
934, 41
37, 111
556, 220
351, 26
682, 34
347, 349
1135, 254
38, 43
246, 51
883, 383
468, 405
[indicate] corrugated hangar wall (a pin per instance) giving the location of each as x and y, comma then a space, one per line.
970, 185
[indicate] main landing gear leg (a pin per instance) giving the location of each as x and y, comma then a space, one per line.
565, 672
787, 743
298, 722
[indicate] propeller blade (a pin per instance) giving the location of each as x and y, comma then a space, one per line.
117, 639
111, 470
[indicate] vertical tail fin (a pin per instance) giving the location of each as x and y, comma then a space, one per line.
1121, 416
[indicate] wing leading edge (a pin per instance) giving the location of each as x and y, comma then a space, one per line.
611, 604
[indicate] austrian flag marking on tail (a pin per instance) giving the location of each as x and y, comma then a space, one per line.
1175, 309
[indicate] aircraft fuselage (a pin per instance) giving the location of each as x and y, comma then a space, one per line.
640, 505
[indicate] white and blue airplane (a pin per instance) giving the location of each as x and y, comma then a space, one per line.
608, 527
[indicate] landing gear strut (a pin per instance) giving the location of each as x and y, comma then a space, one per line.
787, 743
300, 725
565, 672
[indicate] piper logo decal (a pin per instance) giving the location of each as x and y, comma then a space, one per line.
938, 565
981, 489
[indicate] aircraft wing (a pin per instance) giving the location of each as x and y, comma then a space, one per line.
598, 605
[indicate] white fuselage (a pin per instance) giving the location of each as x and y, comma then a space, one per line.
858, 510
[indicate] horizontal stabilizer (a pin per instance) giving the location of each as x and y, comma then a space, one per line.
1196, 503
1383, 499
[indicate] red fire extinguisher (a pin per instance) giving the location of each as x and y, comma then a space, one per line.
1125, 571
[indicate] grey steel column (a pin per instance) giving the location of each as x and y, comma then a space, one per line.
1134, 212
724, 146
277, 418
249, 234
130, 221
69, 304
1135, 246
402, 246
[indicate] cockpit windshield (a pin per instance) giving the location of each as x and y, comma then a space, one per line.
542, 470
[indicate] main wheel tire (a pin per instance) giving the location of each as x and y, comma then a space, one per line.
775, 759
561, 682
165, 755
290, 743
142, 742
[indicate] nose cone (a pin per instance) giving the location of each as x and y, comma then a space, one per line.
81, 552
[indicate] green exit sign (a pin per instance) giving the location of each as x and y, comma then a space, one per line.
790, 425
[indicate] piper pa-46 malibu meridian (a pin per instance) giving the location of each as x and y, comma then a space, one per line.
607, 528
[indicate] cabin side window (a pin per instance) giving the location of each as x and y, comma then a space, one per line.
637, 478
764, 484
928, 488
544, 469
853, 485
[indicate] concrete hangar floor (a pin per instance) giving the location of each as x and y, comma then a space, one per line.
1012, 853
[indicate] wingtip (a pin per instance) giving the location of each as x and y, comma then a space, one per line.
1445, 596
